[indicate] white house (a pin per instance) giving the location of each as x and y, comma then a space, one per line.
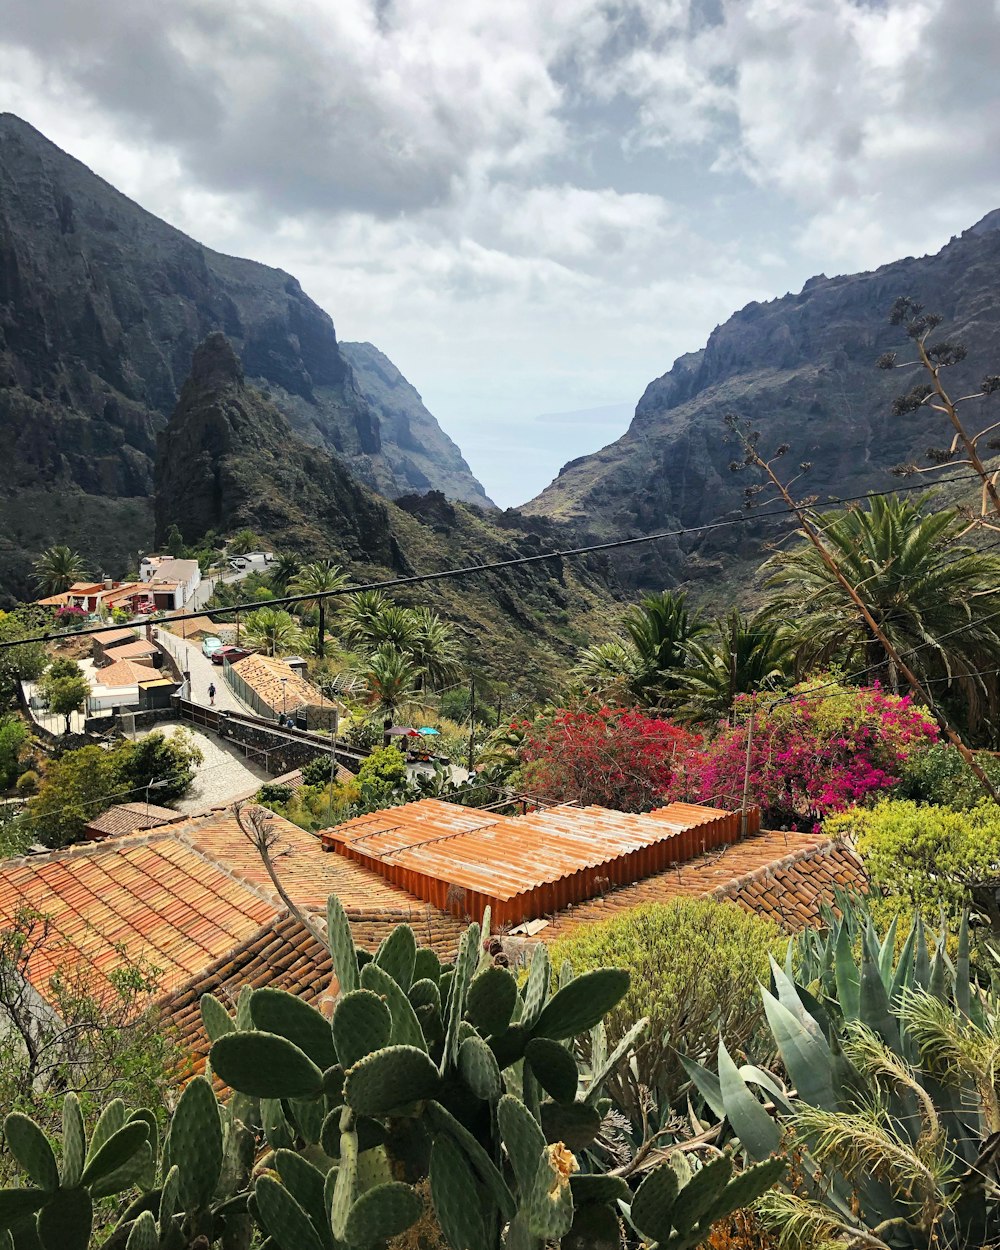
167, 576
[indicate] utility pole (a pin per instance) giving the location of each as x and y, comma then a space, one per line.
472, 723
744, 821
916, 685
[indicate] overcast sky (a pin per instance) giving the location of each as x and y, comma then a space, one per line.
532, 206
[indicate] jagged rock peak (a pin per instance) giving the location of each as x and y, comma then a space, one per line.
215, 365
990, 222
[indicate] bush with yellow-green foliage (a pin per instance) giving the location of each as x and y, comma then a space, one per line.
925, 856
695, 965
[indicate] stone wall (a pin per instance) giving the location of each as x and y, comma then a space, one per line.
276, 752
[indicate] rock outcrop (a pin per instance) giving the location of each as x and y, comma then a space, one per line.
101, 307
802, 369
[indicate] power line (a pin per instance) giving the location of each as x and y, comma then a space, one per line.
515, 561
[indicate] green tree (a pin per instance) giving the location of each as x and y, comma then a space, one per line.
168, 763
272, 631
13, 735
644, 665
283, 572
391, 678
67, 695
175, 543
57, 568
22, 663
747, 654
76, 788
317, 579
243, 541
433, 647
935, 598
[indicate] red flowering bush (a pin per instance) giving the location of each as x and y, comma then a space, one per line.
612, 757
821, 751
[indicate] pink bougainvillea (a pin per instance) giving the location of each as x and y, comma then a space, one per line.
820, 751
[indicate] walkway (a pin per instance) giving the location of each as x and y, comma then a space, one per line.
187, 653
223, 776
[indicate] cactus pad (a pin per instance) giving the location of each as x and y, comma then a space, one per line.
406, 1030
523, 1139
383, 1212
361, 1024
31, 1148
196, 1144
266, 1066
390, 1078
16, 1204
74, 1142
553, 1067
64, 1223
342, 949
575, 1125
143, 1234
215, 1017
456, 1196
426, 965
277, 1011
598, 1188
550, 1205
578, 1006
285, 1220
397, 955
653, 1206
119, 1150
536, 988
478, 1069
489, 1003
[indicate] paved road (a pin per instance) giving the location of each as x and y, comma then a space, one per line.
206, 588
187, 653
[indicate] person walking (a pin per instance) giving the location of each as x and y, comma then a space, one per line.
211, 694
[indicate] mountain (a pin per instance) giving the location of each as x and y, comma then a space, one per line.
101, 307
802, 369
417, 450
228, 458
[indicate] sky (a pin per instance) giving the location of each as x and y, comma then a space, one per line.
532, 206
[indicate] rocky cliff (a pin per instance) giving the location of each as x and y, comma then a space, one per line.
418, 451
101, 307
228, 458
802, 368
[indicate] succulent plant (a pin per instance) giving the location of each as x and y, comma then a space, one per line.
436, 1092
891, 1100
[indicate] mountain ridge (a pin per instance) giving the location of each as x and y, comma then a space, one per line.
101, 306
802, 368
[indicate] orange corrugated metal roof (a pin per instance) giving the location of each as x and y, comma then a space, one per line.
462, 859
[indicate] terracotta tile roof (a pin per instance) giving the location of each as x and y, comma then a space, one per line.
310, 877
276, 684
784, 876
199, 625
464, 859
282, 954
54, 601
125, 673
127, 818
108, 637
153, 895
133, 650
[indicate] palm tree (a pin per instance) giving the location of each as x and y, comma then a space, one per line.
360, 617
391, 678
748, 654
283, 571
57, 568
318, 578
433, 647
646, 662
936, 599
272, 632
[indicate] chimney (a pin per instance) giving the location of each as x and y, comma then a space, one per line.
109, 583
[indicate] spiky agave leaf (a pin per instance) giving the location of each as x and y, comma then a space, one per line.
871, 1056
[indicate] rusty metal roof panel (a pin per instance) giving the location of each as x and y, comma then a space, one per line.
461, 858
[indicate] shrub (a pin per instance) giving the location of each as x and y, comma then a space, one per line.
811, 755
13, 735
696, 967
317, 771
940, 775
27, 783
272, 795
931, 857
613, 757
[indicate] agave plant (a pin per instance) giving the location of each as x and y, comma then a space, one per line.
888, 1096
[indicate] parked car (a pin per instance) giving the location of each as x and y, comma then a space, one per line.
221, 654
210, 646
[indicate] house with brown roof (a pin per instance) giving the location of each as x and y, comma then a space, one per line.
274, 689
126, 818
138, 649
194, 899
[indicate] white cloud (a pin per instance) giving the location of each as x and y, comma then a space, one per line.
531, 207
